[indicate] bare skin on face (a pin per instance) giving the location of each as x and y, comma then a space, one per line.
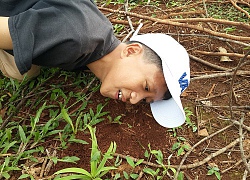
127, 77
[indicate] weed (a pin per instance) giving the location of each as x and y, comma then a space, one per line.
214, 170
133, 165
229, 29
173, 4
97, 163
180, 146
226, 11
159, 159
115, 120
92, 118
118, 28
188, 121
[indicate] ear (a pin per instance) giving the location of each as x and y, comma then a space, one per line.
132, 50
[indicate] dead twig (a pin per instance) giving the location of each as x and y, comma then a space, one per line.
212, 37
184, 13
178, 24
234, 3
197, 144
233, 80
129, 20
243, 157
235, 165
218, 21
247, 108
43, 167
222, 74
243, 125
246, 172
207, 63
187, 166
50, 163
221, 54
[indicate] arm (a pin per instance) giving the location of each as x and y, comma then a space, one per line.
5, 38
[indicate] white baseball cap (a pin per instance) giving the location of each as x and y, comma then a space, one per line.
175, 63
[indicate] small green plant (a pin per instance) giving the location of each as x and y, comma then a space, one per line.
158, 174
180, 146
174, 131
118, 28
173, 4
133, 165
6, 167
92, 118
229, 29
115, 120
188, 121
97, 163
213, 169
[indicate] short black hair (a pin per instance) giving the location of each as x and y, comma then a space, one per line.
149, 55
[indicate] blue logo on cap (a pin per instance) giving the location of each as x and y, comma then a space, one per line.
183, 82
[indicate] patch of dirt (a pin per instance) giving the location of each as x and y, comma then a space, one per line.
208, 99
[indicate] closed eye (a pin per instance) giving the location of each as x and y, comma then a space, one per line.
144, 100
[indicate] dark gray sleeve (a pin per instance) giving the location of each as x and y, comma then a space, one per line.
43, 35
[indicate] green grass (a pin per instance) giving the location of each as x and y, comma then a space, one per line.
63, 102
39, 110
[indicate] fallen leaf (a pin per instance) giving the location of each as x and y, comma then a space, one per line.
203, 132
2, 112
224, 58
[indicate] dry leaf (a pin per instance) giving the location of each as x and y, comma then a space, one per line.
203, 132
246, 145
224, 58
3, 112
207, 103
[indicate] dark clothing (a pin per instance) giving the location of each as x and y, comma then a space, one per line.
57, 33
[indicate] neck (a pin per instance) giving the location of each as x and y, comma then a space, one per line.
102, 66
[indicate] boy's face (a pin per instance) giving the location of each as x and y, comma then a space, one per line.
131, 80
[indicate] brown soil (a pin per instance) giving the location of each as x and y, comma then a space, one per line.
207, 98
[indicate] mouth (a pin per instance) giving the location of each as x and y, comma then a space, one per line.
119, 95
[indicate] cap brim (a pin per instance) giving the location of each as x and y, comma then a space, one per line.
168, 113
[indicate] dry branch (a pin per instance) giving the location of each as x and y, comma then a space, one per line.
221, 54
236, 164
222, 74
208, 63
184, 25
184, 13
194, 146
219, 21
212, 37
234, 3
187, 166
243, 157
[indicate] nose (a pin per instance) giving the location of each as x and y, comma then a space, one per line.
135, 98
